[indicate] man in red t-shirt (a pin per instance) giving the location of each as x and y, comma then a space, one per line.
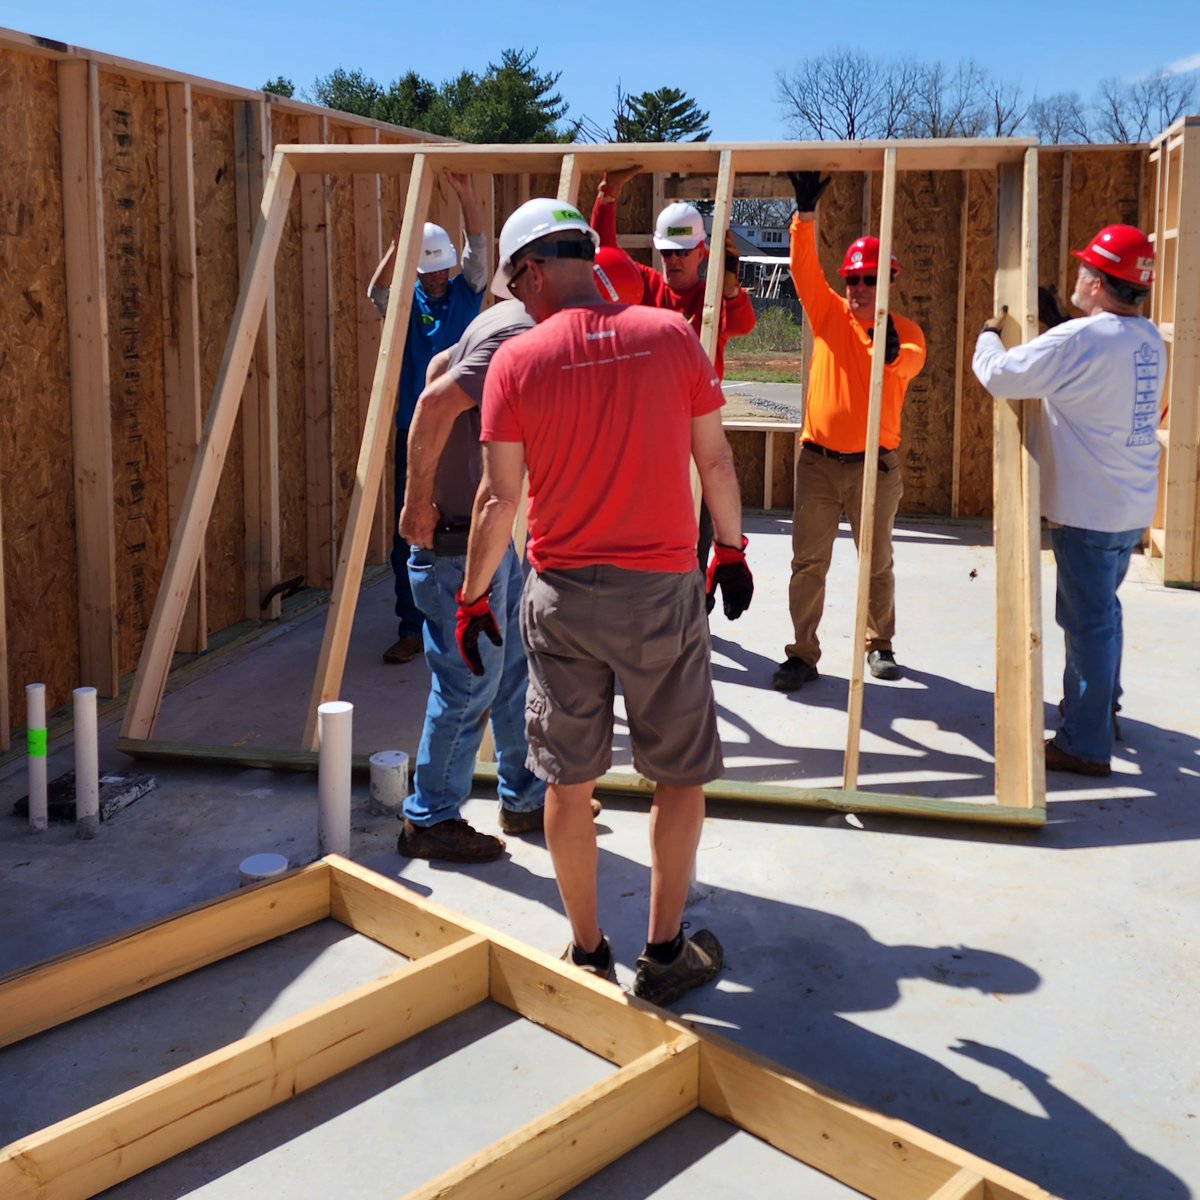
607, 405
679, 238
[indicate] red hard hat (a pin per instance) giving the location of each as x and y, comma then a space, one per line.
1123, 252
617, 279
863, 255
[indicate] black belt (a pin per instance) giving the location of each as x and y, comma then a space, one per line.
840, 455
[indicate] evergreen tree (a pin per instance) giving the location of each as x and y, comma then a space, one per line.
279, 86
664, 115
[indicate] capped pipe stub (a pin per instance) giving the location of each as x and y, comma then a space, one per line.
389, 781
258, 867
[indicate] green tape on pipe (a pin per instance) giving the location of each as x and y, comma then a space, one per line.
35, 743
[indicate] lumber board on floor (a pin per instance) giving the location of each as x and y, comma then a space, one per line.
45, 995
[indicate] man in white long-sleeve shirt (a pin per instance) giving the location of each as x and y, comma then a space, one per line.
1100, 377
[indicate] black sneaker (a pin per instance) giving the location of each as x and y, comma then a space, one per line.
882, 664
698, 962
793, 674
609, 972
533, 821
450, 841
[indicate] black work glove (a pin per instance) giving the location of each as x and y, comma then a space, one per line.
732, 258
808, 186
891, 341
472, 620
729, 571
1051, 310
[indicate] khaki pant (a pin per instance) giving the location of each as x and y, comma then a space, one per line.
825, 488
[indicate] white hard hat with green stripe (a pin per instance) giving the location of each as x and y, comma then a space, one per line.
534, 220
679, 227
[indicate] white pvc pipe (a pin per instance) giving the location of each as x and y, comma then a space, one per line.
335, 723
87, 764
35, 749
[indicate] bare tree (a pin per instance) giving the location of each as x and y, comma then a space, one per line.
1060, 118
767, 214
836, 95
1136, 111
1005, 109
945, 103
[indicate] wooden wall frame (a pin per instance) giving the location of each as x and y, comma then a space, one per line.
1174, 537
1020, 788
664, 1068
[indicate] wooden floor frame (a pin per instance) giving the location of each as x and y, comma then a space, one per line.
1020, 772
665, 1069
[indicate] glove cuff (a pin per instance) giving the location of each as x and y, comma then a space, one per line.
476, 608
726, 554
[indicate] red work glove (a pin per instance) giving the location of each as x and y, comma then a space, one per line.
472, 620
729, 570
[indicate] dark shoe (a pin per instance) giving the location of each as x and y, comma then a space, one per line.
609, 972
793, 674
1060, 760
533, 821
450, 841
403, 649
1116, 708
882, 664
697, 963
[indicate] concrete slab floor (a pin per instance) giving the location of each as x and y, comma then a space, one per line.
1027, 995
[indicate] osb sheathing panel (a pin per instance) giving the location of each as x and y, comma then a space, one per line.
289, 355
748, 458
783, 471
129, 185
1051, 164
975, 430
343, 311
36, 476
1106, 189
217, 288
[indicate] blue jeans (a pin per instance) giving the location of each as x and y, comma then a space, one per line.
459, 701
408, 615
1091, 566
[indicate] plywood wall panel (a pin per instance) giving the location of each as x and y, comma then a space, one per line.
1106, 189
927, 239
129, 186
36, 473
217, 287
975, 458
347, 430
289, 350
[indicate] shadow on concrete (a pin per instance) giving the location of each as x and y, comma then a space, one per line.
812, 970
1160, 766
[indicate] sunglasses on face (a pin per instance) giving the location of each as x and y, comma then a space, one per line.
864, 280
521, 270
675, 253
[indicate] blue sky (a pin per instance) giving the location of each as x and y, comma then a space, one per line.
723, 55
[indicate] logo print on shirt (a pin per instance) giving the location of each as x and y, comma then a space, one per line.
1145, 398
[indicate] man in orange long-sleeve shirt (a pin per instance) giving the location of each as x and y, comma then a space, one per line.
679, 238
829, 471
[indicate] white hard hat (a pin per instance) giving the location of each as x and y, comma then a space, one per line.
437, 250
679, 227
535, 219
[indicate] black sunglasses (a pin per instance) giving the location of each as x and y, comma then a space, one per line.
521, 271
675, 253
867, 280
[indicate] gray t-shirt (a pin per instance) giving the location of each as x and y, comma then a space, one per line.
461, 465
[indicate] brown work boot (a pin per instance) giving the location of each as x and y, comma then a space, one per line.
1060, 760
533, 821
403, 649
663, 983
449, 841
